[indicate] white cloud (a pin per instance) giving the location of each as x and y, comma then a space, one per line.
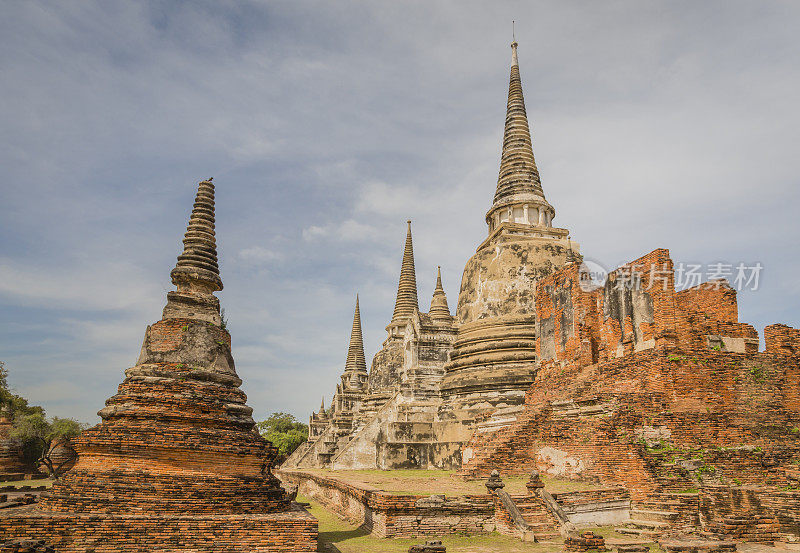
349, 230
258, 255
103, 286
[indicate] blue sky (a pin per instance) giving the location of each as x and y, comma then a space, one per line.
327, 125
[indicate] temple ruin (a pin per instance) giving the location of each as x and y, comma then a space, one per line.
176, 461
436, 373
660, 396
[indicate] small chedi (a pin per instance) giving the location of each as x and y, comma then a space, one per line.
628, 382
176, 463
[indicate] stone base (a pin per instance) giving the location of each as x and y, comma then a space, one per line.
698, 546
291, 531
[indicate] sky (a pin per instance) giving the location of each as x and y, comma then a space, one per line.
326, 125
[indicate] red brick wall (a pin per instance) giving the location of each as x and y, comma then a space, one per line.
651, 280
700, 400
782, 339
637, 309
10, 455
763, 512
714, 300
391, 515
567, 326
290, 532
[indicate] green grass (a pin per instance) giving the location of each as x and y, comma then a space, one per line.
33, 483
338, 535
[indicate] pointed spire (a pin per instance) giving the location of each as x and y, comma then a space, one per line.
439, 309
518, 172
406, 301
197, 269
572, 257
322, 414
356, 362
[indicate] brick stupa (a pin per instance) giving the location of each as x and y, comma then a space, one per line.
176, 463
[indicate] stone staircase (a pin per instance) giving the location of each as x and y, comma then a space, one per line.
648, 524
319, 452
537, 516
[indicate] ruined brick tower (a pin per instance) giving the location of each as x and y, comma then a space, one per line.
492, 362
176, 459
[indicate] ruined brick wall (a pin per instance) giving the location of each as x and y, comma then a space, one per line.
636, 309
782, 339
714, 300
754, 514
289, 532
638, 305
392, 515
709, 318
629, 420
567, 321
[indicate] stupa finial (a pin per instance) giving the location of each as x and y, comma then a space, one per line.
518, 176
439, 308
406, 301
197, 269
356, 362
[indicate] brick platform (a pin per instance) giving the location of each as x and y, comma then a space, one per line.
294, 530
389, 515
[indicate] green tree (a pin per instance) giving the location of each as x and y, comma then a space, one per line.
284, 431
10, 401
37, 436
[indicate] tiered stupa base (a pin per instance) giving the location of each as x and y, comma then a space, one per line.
491, 365
175, 466
288, 531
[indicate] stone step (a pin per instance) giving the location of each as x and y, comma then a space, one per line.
636, 532
647, 514
643, 523
536, 519
530, 505
647, 524
660, 505
541, 526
